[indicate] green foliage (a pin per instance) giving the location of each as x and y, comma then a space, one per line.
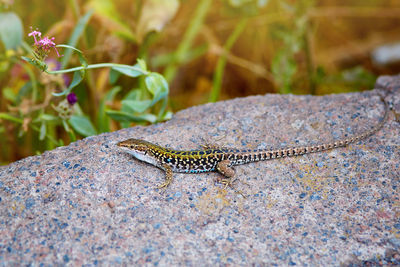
82, 125
56, 104
103, 121
284, 65
188, 38
210, 50
157, 86
75, 36
137, 101
78, 77
347, 80
219, 72
10, 30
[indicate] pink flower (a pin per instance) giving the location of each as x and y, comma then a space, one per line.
44, 44
34, 33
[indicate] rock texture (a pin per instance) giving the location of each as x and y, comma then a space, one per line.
90, 204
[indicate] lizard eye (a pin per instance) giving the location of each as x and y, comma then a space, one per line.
132, 146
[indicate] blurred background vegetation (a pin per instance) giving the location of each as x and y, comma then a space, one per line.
191, 51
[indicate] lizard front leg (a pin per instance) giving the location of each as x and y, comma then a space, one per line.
168, 176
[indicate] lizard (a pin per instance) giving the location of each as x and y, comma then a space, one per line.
220, 159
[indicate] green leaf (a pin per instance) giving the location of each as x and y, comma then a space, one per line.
83, 61
70, 47
129, 71
113, 76
133, 94
76, 34
103, 121
8, 117
122, 116
81, 57
9, 94
25, 90
66, 127
82, 125
167, 116
136, 105
157, 85
78, 77
28, 59
142, 64
39, 64
43, 129
11, 30
69, 131
47, 117
111, 94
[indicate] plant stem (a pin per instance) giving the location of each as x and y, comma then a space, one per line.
75, 7
51, 131
49, 137
190, 34
309, 58
96, 66
219, 72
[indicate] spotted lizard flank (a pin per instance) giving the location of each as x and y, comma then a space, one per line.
222, 159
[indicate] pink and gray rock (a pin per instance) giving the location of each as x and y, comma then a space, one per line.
90, 204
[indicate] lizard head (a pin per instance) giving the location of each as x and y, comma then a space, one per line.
138, 145
140, 149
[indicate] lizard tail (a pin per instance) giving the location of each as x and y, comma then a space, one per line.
288, 152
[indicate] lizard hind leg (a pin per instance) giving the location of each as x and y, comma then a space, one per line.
224, 168
228, 173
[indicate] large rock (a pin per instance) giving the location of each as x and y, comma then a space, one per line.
89, 203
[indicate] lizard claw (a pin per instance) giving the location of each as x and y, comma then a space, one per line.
229, 182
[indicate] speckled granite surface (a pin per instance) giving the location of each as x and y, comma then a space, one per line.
90, 204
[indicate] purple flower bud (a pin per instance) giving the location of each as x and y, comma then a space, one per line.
52, 64
72, 98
